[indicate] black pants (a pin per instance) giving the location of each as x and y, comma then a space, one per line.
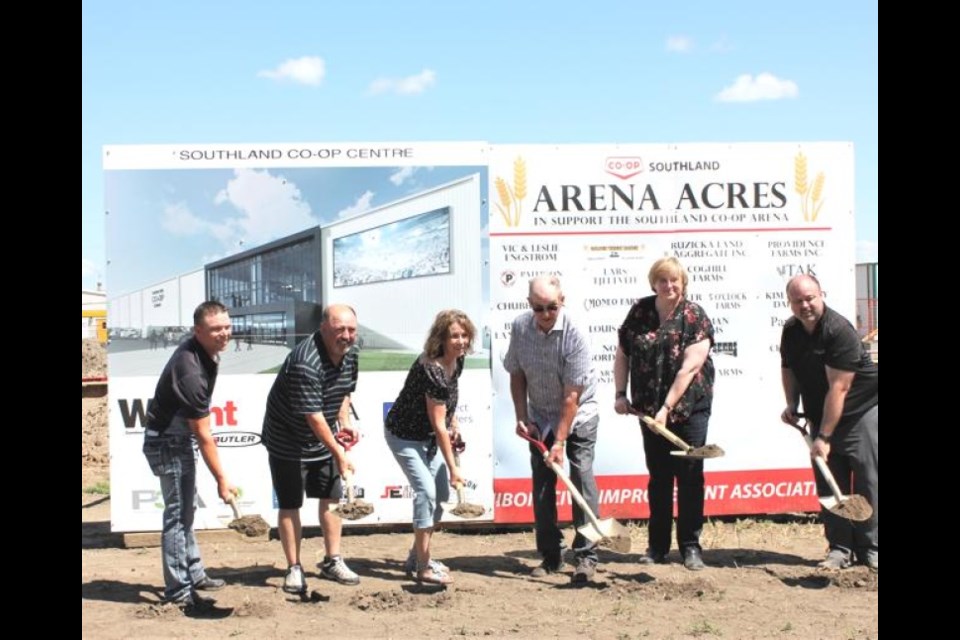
688, 473
580, 451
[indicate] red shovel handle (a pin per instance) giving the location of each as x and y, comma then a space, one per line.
345, 440
537, 443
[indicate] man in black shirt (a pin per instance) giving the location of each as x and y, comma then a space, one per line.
824, 363
177, 424
309, 402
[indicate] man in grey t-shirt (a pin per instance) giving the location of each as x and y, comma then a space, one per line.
552, 384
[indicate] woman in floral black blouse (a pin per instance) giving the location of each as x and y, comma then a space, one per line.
664, 349
421, 423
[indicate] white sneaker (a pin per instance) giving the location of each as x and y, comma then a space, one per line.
410, 566
337, 570
294, 582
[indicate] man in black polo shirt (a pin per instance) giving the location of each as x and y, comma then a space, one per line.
309, 402
177, 424
825, 364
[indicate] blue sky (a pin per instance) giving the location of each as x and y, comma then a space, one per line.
504, 72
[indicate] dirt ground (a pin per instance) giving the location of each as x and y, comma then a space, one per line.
761, 582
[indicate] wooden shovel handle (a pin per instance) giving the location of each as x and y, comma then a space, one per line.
825, 471
574, 493
233, 506
666, 433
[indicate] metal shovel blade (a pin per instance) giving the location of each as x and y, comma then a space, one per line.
608, 533
686, 451
853, 507
251, 526
462, 508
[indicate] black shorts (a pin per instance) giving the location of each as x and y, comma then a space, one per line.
292, 477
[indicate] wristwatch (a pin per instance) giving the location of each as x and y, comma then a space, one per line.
823, 436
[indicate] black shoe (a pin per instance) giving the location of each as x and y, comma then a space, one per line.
652, 557
586, 567
193, 605
209, 584
693, 560
547, 567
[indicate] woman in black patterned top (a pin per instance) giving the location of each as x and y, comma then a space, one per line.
423, 422
664, 348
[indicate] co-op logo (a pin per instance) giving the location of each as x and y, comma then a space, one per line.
623, 167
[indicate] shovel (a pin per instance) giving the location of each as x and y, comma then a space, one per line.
463, 508
251, 526
352, 509
607, 532
853, 507
706, 451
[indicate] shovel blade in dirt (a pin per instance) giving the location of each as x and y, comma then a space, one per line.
852, 507
463, 509
686, 451
251, 526
608, 533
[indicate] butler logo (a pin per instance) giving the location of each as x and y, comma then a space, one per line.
236, 438
508, 278
623, 167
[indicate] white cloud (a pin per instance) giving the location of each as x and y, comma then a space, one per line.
402, 175
308, 70
409, 85
179, 220
764, 86
362, 204
270, 207
679, 44
868, 251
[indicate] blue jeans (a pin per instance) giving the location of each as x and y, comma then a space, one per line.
581, 444
427, 474
173, 459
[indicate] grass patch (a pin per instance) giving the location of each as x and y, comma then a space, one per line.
102, 488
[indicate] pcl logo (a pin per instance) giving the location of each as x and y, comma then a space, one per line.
623, 167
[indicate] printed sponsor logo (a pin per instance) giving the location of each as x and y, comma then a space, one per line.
623, 167
392, 491
236, 438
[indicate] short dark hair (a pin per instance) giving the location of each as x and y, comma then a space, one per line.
208, 308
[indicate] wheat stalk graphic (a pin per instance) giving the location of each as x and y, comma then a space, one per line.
511, 197
811, 198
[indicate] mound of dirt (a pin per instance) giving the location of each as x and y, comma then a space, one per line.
94, 441
94, 359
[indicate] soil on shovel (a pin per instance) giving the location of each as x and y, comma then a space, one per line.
250, 526
710, 451
854, 508
467, 510
354, 510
